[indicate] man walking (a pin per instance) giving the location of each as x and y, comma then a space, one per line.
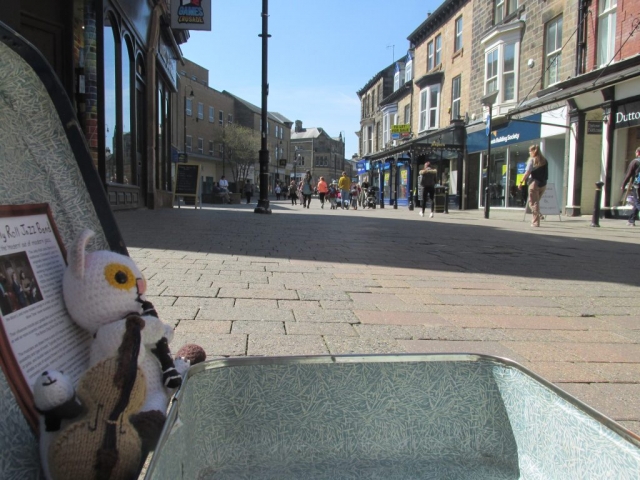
344, 184
428, 184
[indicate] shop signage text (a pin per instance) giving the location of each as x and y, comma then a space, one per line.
512, 132
627, 115
191, 15
594, 127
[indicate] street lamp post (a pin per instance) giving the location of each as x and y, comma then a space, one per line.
263, 202
488, 101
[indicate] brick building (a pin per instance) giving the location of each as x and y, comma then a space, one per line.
314, 150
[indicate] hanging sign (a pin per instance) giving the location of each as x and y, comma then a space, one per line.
191, 15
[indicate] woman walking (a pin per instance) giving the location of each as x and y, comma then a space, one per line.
293, 192
307, 190
323, 189
536, 177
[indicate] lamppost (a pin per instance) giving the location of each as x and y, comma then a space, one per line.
488, 101
263, 202
184, 145
335, 166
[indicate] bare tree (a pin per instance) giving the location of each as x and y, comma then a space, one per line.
241, 146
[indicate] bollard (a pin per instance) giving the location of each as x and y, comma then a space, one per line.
486, 202
446, 199
411, 206
595, 218
395, 200
381, 198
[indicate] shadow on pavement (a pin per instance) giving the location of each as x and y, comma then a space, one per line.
385, 242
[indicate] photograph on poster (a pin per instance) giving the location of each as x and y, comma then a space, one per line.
18, 286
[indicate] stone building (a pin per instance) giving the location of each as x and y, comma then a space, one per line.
314, 150
117, 61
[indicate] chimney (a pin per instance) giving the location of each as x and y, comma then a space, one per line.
298, 126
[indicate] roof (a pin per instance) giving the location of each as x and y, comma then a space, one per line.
403, 91
271, 115
435, 20
307, 133
379, 75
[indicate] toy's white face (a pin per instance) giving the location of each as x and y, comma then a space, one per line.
112, 287
52, 389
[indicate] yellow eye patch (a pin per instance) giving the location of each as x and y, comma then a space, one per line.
119, 276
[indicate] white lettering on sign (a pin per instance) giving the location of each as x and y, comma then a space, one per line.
505, 138
627, 117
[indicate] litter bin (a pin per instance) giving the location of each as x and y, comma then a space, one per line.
439, 199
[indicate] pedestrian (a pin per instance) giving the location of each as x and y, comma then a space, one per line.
536, 177
344, 184
631, 187
248, 190
278, 191
307, 190
223, 183
293, 192
323, 189
355, 193
333, 195
428, 184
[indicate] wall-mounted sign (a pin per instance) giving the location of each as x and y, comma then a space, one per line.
400, 131
627, 115
507, 134
594, 127
191, 14
282, 162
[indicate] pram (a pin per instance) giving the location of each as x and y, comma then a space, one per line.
370, 200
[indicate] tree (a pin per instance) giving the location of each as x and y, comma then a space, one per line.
241, 146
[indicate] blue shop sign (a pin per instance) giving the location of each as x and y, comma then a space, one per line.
508, 134
387, 166
363, 166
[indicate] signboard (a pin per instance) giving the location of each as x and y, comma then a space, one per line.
508, 134
187, 180
191, 14
400, 131
627, 115
594, 127
548, 203
282, 162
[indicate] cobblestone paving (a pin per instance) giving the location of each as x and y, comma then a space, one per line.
563, 300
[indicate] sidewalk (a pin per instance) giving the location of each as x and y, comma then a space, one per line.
562, 299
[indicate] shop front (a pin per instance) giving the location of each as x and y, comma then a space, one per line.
509, 155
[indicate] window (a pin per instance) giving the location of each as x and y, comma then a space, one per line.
211, 147
229, 118
553, 51
430, 56
502, 9
220, 117
396, 79
200, 145
369, 138
221, 149
606, 30
188, 143
500, 71
458, 41
429, 102
456, 85
277, 130
407, 114
438, 58
189, 106
408, 69
200, 111
211, 115
385, 129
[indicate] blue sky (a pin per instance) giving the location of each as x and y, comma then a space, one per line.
320, 54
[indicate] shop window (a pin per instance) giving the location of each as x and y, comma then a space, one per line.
606, 31
110, 95
127, 87
553, 51
457, 46
163, 138
429, 106
456, 87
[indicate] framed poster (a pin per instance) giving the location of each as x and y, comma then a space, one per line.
36, 332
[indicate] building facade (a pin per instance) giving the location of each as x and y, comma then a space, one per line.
117, 61
314, 150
